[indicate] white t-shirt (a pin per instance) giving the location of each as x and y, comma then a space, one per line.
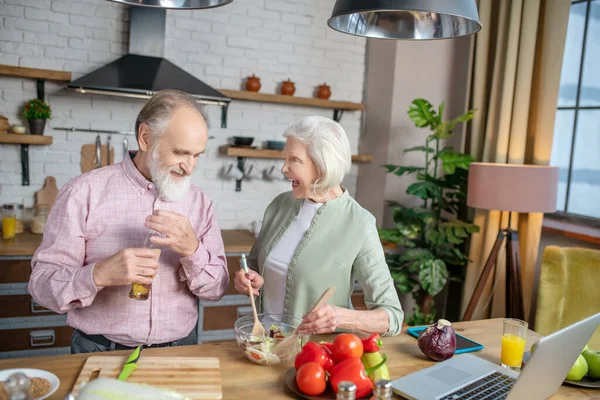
278, 260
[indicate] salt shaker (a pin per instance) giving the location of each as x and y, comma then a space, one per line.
346, 391
383, 390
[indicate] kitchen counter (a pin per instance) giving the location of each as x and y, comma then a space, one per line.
243, 380
25, 244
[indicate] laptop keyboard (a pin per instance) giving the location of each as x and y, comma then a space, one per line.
494, 386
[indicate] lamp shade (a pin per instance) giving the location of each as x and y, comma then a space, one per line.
512, 187
406, 19
176, 4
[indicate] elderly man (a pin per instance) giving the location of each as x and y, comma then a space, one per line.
93, 247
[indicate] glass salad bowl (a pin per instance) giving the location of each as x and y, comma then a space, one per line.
258, 349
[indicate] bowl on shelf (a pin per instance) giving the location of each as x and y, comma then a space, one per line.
275, 144
243, 141
258, 348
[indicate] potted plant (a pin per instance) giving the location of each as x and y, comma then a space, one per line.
36, 113
428, 239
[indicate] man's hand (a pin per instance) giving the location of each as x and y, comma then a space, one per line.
179, 234
127, 266
242, 281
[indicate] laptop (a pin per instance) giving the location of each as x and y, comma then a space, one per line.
466, 376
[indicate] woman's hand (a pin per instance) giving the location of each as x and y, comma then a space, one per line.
242, 281
323, 320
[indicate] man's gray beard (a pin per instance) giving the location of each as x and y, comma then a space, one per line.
168, 189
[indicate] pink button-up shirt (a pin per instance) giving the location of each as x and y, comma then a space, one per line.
96, 215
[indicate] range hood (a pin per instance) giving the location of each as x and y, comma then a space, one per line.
145, 71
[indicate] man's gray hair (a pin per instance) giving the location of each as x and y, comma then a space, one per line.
157, 111
327, 145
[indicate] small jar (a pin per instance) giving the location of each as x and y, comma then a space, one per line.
20, 226
9, 221
40, 216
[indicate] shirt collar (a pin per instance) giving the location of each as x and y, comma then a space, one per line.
134, 175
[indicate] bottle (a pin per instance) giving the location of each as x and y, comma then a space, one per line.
346, 391
140, 291
40, 216
9, 221
383, 390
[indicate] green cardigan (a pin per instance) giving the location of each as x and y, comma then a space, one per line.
340, 246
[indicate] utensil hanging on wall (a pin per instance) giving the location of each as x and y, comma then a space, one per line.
95, 156
125, 147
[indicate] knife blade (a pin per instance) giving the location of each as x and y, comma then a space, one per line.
130, 365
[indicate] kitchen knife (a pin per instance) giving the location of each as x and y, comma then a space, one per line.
130, 365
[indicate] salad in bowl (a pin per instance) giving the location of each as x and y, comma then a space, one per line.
259, 349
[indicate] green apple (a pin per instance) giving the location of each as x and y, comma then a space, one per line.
584, 349
592, 357
578, 370
534, 346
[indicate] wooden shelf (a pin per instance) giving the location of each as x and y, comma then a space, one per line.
35, 73
298, 101
276, 154
13, 138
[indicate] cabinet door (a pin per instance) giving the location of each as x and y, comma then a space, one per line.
15, 271
21, 306
233, 265
35, 338
358, 301
223, 317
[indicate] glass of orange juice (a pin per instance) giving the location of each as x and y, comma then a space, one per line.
513, 343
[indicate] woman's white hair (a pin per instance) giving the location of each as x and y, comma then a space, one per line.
327, 145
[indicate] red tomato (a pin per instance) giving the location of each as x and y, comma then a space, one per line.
312, 352
346, 345
310, 379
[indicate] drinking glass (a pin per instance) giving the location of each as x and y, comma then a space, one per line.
513, 343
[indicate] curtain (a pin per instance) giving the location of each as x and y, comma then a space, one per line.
515, 72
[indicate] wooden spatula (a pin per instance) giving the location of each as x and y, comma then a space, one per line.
284, 348
258, 329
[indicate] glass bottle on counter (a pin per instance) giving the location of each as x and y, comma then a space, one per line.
346, 391
9, 221
383, 390
19, 227
40, 216
17, 387
140, 291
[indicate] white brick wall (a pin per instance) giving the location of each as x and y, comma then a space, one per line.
274, 39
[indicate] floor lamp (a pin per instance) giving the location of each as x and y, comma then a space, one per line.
511, 188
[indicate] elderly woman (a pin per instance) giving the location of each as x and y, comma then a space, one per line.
318, 236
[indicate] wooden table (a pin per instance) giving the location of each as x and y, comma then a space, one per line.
243, 380
26, 243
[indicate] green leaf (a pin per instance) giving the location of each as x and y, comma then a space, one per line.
422, 114
390, 167
433, 276
424, 190
440, 112
394, 236
452, 160
403, 281
416, 254
465, 117
444, 130
407, 170
436, 237
419, 148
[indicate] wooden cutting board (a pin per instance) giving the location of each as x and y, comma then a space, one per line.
47, 195
194, 377
88, 157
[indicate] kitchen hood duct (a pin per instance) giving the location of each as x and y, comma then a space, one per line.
145, 71
406, 19
176, 4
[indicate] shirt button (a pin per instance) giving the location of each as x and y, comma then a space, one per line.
150, 186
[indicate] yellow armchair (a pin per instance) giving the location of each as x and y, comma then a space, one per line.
569, 289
